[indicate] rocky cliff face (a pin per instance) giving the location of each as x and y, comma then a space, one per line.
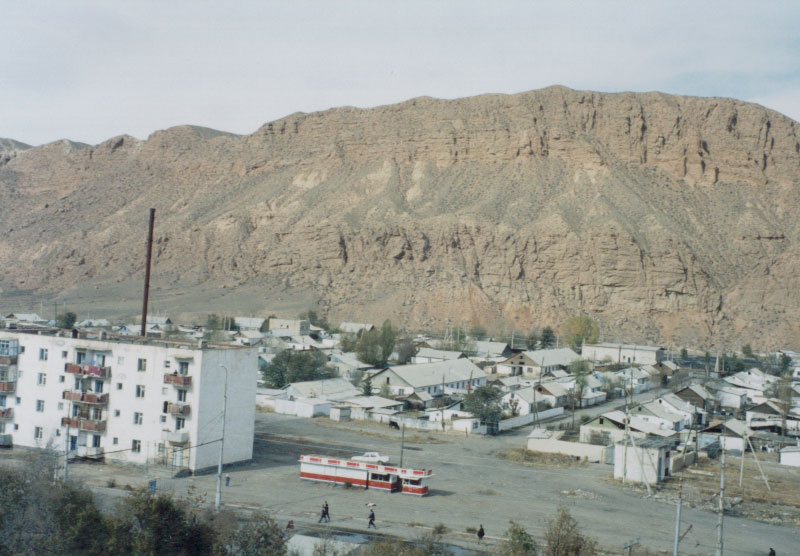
665, 218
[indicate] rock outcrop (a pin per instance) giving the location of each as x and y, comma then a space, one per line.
666, 218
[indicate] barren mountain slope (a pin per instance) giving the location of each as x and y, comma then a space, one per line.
666, 218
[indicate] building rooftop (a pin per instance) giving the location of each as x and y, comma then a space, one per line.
625, 346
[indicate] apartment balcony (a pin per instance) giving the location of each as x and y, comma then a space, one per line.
6, 414
6, 441
8, 359
8, 386
88, 370
89, 425
85, 397
177, 380
88, 451
178, 408
178, 437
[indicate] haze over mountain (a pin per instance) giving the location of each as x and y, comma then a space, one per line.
665, 218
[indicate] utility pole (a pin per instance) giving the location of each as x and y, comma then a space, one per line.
402, 442
678, 516
721, 503
218, 499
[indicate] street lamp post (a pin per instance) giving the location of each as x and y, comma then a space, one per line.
218, 499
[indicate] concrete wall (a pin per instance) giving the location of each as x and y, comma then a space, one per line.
594, 454
642, 464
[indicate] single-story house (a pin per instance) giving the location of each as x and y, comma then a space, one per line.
431, 355
485, 348
248, 323
623, 353
537, 363
609, 428
790, 456
329, 389
433, 378
655, 413
648, 461
698, 396
355, 327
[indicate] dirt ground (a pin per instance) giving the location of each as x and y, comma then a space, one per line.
778, 504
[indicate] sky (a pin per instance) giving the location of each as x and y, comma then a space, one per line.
91, 70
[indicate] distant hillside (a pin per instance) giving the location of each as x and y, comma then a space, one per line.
666, 218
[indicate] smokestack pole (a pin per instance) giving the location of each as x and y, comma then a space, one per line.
147, 271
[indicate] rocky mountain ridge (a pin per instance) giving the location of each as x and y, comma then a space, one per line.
666, 218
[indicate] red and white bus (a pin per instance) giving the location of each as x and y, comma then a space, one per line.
366, 475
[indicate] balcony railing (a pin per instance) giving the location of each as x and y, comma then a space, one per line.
9, 386
88, 370
90, 425
178, 408
85, 397
7, 413
89, 451
8, 359
178, 437
178, 380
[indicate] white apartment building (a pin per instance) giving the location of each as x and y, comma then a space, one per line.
127, 399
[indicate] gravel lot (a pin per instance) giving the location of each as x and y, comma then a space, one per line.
471, 486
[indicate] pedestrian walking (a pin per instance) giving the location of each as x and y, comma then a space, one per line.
371, 520
481, 532
327, 511
322, 515
771, 552
227, 480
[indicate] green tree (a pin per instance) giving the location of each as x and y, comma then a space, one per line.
580, 370
296, 366
66, 320
684, 354
213, 322
784, 361
518, 542
532, 339
258, 536
146, 524
386, 341
484, 403
368, 348
477, 332
564, 537
578, 330
366, 387
548, 338
747, 351
314, 319
405, 351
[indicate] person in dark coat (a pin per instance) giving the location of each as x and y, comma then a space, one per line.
481, 532
327, 511
771, 552
371, 519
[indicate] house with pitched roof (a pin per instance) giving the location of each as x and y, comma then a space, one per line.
537, 363
434, 378
431, 355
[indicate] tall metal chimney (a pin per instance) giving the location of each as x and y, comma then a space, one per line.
147, 272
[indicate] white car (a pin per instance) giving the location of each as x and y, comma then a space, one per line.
371, 457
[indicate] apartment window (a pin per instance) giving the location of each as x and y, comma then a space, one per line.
16, 426
42, 354
2, 427
141, 365
179, 423
19, 400
60, 405
63, 355
164, 391
95, 441
166, 364
160, 448
183, 367
140, 390
80, 357
100, 360
115, 441
98, 386
120, 360
40, 405
22, 349
181, 395
116, 413
38, 433
61, 378
2, 400
163, 418
136, 446
137, 418
58, 432
119, 386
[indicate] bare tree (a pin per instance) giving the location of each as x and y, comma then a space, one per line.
564, 537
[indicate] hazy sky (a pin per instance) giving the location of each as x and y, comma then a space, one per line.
88, 71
